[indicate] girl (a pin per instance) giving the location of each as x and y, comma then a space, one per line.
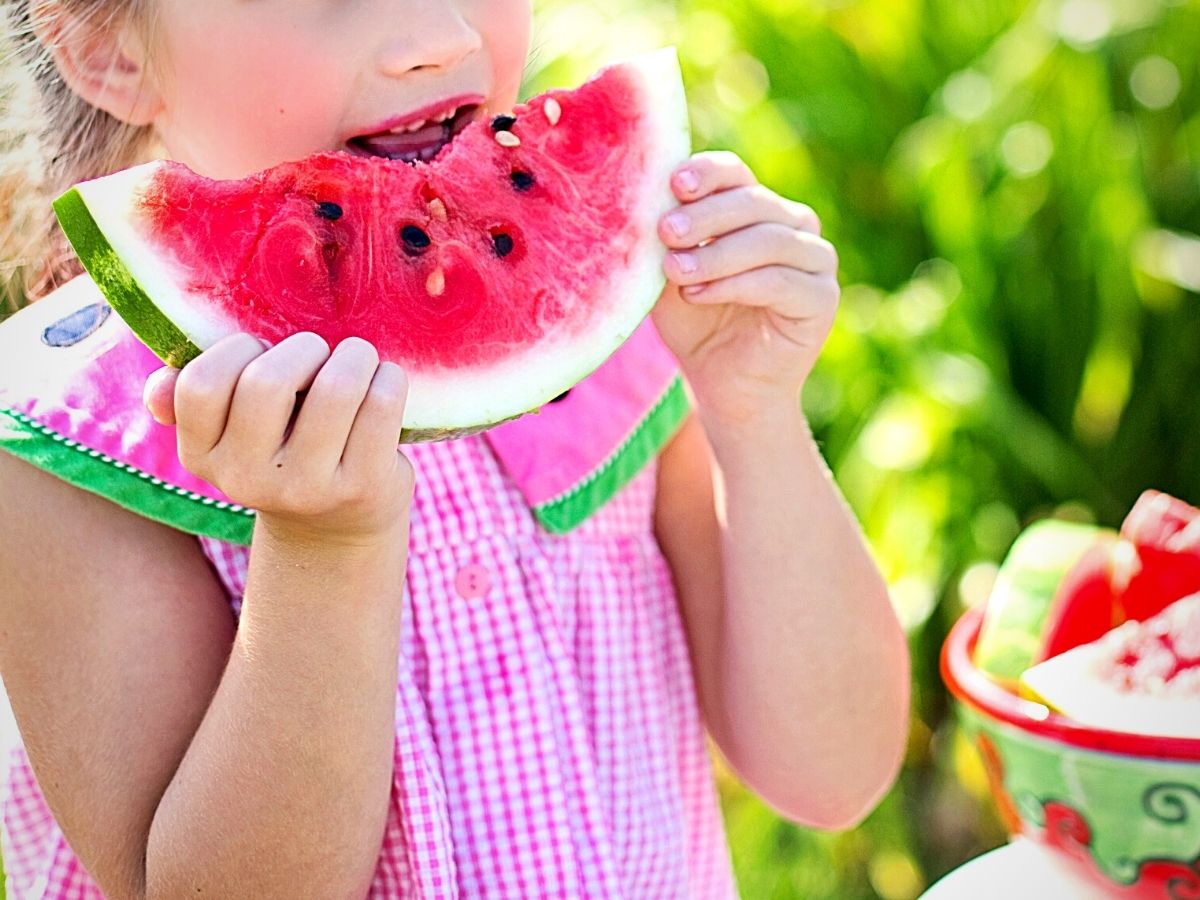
408, 684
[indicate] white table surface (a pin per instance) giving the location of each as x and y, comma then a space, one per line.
1021, 869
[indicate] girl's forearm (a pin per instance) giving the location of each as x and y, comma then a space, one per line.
285, 788
814, 664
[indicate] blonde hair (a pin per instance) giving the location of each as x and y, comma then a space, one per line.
50, 139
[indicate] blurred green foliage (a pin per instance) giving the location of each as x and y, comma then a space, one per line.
1014, 191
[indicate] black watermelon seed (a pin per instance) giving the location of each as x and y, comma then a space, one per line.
503, 123
561, 397
522, 181
415, 240
330, 211
504, 244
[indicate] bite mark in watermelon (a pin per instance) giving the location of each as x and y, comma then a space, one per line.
500, 274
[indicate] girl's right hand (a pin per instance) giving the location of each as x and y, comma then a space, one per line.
332, 474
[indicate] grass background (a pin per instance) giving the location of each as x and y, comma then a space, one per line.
1014, 191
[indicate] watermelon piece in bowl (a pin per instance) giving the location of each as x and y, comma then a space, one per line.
499, 274
1141, 677
1117, 807
1155, 562
1027, 587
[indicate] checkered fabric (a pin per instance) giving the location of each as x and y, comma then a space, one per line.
548, 742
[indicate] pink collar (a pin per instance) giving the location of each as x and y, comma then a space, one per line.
73, 405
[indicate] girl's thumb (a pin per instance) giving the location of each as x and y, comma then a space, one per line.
159, 395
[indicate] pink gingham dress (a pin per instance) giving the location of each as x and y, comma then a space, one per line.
548, 741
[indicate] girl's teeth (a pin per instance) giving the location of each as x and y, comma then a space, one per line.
408, 129
417, 126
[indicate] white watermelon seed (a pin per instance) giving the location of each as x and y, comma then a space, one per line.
437, 209
552, 110
436, 285
507, 139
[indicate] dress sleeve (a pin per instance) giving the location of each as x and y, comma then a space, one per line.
71, 404
574, 455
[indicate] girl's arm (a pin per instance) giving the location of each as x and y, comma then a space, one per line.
285, 788
179, 758
273, 777
801, 665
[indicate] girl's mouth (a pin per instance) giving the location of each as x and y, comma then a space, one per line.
417, 141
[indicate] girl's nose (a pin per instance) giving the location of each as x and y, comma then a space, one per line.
436, 37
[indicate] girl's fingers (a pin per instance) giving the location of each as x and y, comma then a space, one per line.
375, 435
751, 248
789, 292
329, 409
265, 397
717, 215
158, 395
709, 172
204, 389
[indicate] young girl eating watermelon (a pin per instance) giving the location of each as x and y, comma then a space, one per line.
407, 685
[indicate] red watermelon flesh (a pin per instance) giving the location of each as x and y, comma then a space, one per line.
499, 274
271, 264
1086, 603
1155, 563
1166, 532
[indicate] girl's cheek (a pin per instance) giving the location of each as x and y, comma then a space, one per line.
506, 27
253, 106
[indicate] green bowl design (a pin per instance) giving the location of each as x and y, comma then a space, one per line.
1132, 816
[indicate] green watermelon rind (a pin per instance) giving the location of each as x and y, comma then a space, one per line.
178, 326
1025, 587
118, 285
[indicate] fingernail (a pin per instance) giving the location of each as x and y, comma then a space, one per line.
679, 224
685, 261
688, 180
693, 289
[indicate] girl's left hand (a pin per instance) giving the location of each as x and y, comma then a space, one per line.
752, 288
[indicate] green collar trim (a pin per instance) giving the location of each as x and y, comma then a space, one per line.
143, 493
123, 484
562, 513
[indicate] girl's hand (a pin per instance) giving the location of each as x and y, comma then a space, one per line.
752, 289
327, 469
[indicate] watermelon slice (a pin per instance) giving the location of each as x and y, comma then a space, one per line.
1166, 532
1142, 677
1155, 563
1011, 633
499, 274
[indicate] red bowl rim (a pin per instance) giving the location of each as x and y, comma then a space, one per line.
971, 686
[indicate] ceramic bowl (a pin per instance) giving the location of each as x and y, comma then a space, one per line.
1121, 809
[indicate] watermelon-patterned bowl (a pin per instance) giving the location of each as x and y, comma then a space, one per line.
1121, 809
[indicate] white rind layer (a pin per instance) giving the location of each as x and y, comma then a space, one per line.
113, 203
463, 397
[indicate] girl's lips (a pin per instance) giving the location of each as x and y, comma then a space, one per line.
423, 144
429, 111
